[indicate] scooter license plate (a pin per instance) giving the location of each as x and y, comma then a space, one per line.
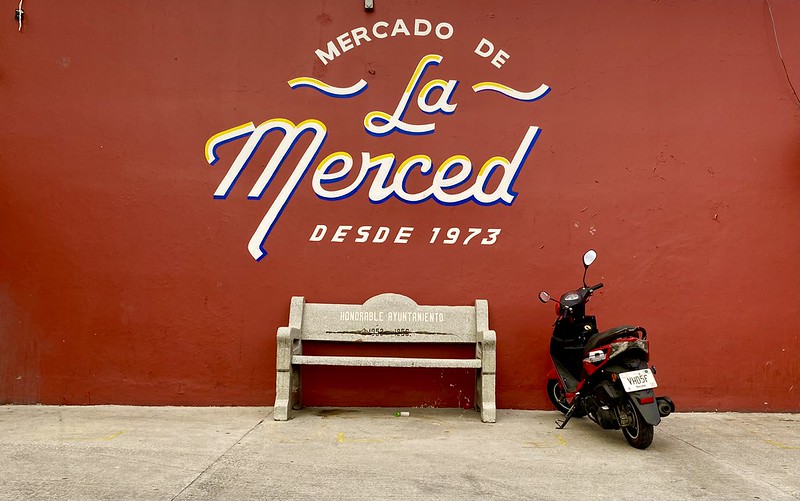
638, 380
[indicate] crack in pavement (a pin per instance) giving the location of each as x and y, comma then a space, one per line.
237, 442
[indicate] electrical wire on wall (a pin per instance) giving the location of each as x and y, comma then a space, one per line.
780, 54
19, 14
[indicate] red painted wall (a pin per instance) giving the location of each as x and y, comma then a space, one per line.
670, 142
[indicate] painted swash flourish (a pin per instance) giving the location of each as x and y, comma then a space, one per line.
389, 175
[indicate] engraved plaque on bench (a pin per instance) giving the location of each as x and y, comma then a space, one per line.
389, 318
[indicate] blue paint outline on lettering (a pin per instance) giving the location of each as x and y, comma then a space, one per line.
244, 166
288, 151
217, 145
289, 198
443, 112
329, 94
521, 163
405, 108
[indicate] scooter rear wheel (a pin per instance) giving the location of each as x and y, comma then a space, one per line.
640, 433
559, 399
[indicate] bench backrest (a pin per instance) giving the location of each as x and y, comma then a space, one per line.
389, 318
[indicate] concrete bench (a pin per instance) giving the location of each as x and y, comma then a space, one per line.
386, 318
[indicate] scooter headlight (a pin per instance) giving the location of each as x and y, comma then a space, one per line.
571, 296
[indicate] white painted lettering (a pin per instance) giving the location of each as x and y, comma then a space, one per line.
441, 181
511, 169
381, 235
379, 123
380, 34
501, 58
291, 133
403, 235
485, 48
322, 175
444, 30
400, 27
422, 27
380, 30
328, 56
344, 42
319, 233
453, 174
359, 35
442, 104
341, 232
398, 185
363, 234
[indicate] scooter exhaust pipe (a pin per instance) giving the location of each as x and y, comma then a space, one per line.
665, 406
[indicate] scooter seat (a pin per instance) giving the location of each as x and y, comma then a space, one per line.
606, 336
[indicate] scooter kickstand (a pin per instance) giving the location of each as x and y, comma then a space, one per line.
561, 424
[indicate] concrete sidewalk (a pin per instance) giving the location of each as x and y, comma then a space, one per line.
183, 453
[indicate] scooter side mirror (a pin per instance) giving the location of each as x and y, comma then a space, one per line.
589, 258
544, 297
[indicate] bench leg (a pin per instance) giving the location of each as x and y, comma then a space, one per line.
296, 397
282, 393
485, 398
288, 393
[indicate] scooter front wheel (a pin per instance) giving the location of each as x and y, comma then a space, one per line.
559, 398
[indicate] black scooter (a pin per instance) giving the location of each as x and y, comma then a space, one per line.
602, 375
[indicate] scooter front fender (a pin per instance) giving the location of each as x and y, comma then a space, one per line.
649, 410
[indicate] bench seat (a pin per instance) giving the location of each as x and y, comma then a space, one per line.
436, 363
386, 318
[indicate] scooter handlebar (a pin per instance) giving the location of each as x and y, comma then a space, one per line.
595, 287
